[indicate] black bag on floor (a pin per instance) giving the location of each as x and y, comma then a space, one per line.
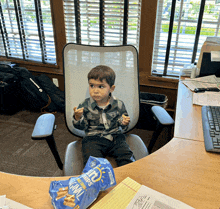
56, 95
9, 100
32, 94
8, 69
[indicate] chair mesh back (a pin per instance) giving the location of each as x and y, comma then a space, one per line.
80, 59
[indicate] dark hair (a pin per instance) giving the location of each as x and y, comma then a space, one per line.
102, 72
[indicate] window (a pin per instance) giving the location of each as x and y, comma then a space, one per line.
182, 26
26, 30
103, 22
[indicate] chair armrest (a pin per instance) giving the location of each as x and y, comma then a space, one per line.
43, 129
162, 115
44, 126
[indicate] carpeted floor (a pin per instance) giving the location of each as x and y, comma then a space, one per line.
24, 156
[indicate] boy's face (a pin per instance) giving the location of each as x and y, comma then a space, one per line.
99, 91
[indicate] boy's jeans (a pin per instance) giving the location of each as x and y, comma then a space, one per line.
101, 147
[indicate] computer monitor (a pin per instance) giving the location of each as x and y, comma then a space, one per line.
208, 67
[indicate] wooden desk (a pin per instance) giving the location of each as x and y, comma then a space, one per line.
188, 122
181, 169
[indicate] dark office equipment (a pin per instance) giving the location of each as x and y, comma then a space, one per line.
211, 128
208, 67
200, 90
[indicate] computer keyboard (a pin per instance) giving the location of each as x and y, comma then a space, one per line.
211, 128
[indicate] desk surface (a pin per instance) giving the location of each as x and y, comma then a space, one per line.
181, 169
188, 123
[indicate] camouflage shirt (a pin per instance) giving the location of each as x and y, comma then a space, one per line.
97, 121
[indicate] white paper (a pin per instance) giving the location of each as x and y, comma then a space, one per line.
6, 203
207, 98
147, 198
205, 79
215, 56
218, 81
210, 81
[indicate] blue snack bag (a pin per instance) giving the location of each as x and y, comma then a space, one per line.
93, 162
58, 191
83, 190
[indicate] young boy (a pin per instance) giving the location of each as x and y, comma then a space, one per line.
103, 117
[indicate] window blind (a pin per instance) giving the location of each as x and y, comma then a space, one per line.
103, 22
182, 26
26, 30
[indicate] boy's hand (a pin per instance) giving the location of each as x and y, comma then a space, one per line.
78, 113
126, 120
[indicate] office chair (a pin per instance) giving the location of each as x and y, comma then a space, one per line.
78, 61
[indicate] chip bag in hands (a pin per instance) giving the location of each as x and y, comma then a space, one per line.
80, 192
